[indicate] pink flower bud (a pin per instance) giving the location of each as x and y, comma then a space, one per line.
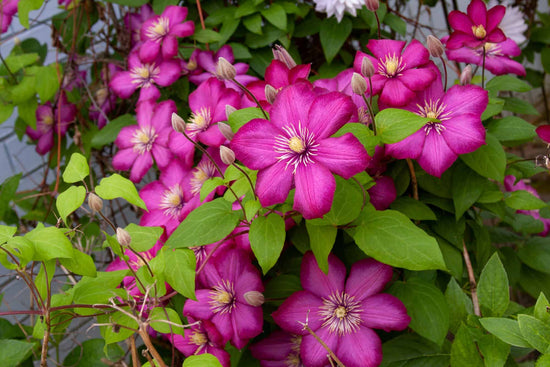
227, 155
123, 237
367, 69
226, 130
466, 75
254, 298
224, 69
177, 123
281, 54
435, 46
372, 5
270, 93
94, 202
358, 84
229, 110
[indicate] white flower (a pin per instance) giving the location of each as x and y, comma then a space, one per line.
338, 7
513, 24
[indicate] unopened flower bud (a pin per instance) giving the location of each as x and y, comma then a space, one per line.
281, 54
177, 123
227, 155
270, 93
372, 5
466, 75
123, 237
435, 46
16, 41
229, 110
358, 84
367, 69
226, 130
94, 202
224, 69
254, 298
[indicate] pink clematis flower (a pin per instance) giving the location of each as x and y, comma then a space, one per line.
134, 21
159, 33
280, 349
342, 312
296, 149
138, 144
51, 122
232, 300
8, 8
456, 127
400, 71
543, 132
383, 193
497, 57
477, 26
145, 75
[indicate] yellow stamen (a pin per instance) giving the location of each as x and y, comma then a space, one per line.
296, 144
340, 312
479, 31
48, 120
199, 338
222, 297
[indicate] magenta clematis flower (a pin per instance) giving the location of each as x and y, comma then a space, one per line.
477, 26
134, 21
383, 193
296, 149
400, 71
232, 300
159, 33
139, 144
8, 8
456, 127
51, 122
497, 57
144, 76
202, 338
342, 312
543, 132
511, 185
280, 349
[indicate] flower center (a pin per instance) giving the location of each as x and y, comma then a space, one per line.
172, 201
341, 313
391, 66
434, 110
479, 31
144, 75
47, 120
296, 146
222, 298
199, 121
198, 338
159, 29
192, 64
143, 139
201, 173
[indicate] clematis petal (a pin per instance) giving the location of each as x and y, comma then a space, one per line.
313, 353
151, 194
247, 321
276, 74
254, 144
274, 183
477, 12
149, 51
124, 159
464, 134
183, 29
176, 14
383, 193
162, 155
199, 309
410, 147
417, 79
543, 132
140, 167
415, 55
459, 39
318, 283
496, 36
494, 16
461, 99
460, 21
395, 93
45, 143
300, 307
169, 72
436, 156
315, 188
381, 48
362, 348
384, 311
292, 105
123, 84
169, 47
125, 136
328, 113
368, 277
344, 155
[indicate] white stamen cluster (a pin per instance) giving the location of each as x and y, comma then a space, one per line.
434, 110
391, 66
199, 121
222, 298
172, 201
143, 139
296, 147
143, 75
341, 313
201, 173
158, 29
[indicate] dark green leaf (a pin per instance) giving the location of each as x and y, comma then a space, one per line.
494, 351
536, 253
160, 5
545, 59
524, 200
488, 160
507, 83
321, 240
464, 352
108, 134
512, 130
282, 286
413, 209
397, 24
506, 330
134, 3
494, 107
116, 186
467, 187
206, 36
333, 35
411, 350
517, 105
14, 352
7, 192
393, 125
493, 292
275, 15
346, 204
88, 354
179, 270
253, 23
460, 305
267, 237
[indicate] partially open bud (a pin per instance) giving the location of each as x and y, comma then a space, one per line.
367, 69
227, 155
254, 298
435, 46
229, 110
224, 69
94, 202
123, 237
226, 130
358, 84
177, 123
372, 5
281, 54
270, 93
466, 75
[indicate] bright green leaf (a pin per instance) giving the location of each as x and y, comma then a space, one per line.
163, 313
6, 233
536, 332
413, 209
506, 330
542, 309
394, 124
143, 238
47, 82
512, 130
50, 243
242, 116
202, 360
267, 237
80, 263
77, 169
179, 270
321, 240
70, 200
524, 200
99, 289
24, 8
116, 186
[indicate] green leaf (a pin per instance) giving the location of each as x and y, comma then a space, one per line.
363, 134
47, 82
466, 188
536, 332
391, 238
210, 185
506, 330
426, 306
282, 286
464, 351
121, 326
493, 292
160, 5
27, 111
346, 204
108, 134
134, 3
6, 110
275, 15
494, 107
24, 8
488, 160
7, 192
524, 200
517, 105
143, 238
413, 209
507, 83
411, 350
321, 240
494, 351
80, 263
70, 200
460, 305
77, 169
49, 243
541, 34
6, 233
19, 247
333, 35
206, 36
536, 253
393, 125
116, 186
179, 270
88, 354
25, 90
512, 130
542, 309
543, 361
14, 352
99, 289
545, 58
246, 8
229, 26
202, 360
206, 224
396, 23
253, 23
242, 116
267, 237
17, 62
163, 313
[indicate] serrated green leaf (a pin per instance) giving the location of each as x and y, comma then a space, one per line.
267, 237
524, 200
179, 270
393, 125
488, 160
536, 332
506, 330
321, 240
77, 169
116, 186
108, 134
49, 243
143, 238
70, 200
493, 292
275, 15
163, 313
333, 35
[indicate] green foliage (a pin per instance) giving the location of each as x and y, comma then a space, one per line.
70, 200
13, 352
202, 360
488, 160
333, 35
179, 270
116, 186
493, 289
394, 125
267, 237
108, 134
